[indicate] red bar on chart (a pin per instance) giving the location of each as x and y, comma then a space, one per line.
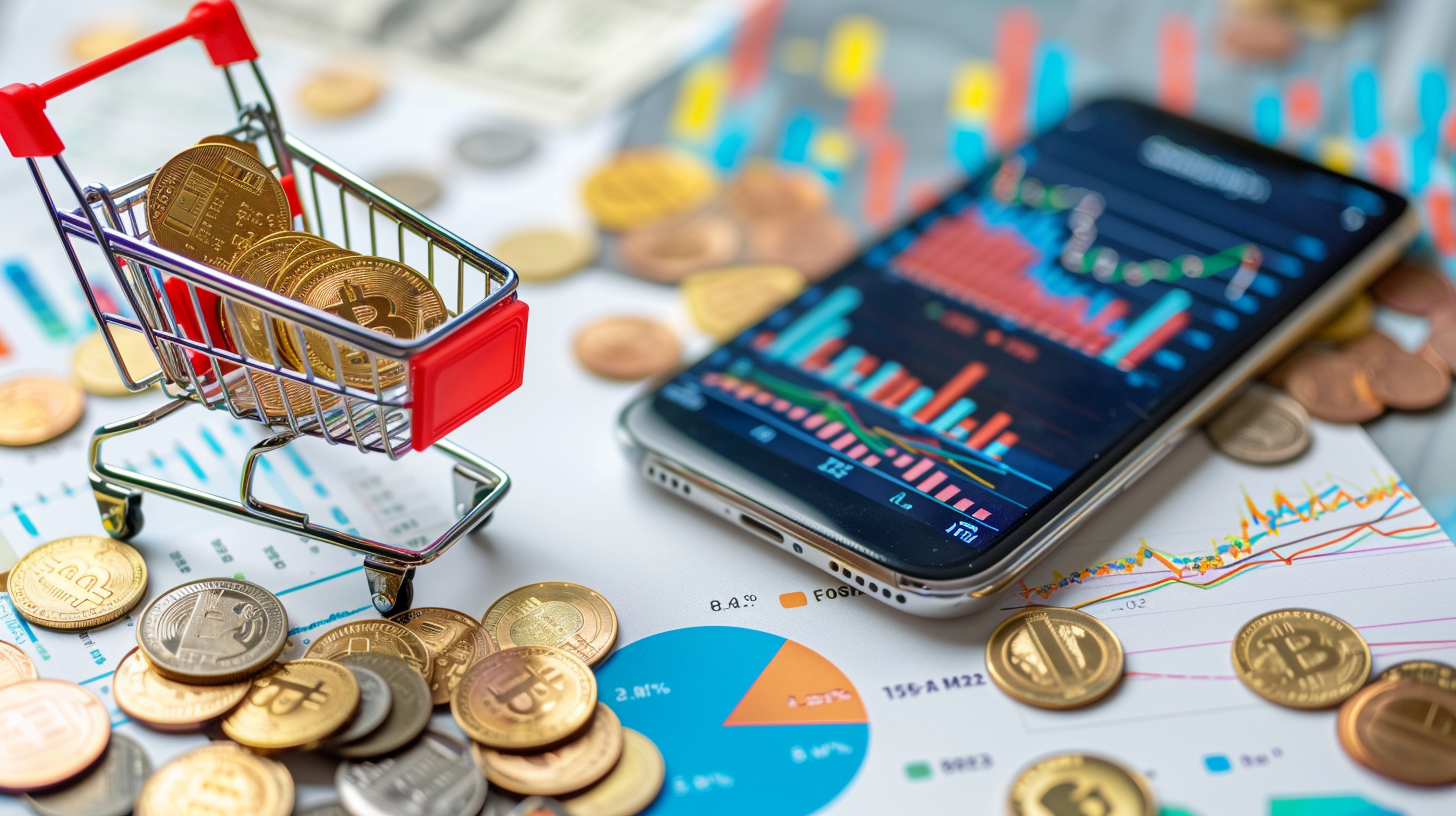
963, 505
919, 470
830, 430
981, 515
1015, 46
1177, 63
947, 493
815, 421
843, 442
1302, 101
883, 169
869, 110
906, 387
823, 354
871, 460
1153, 342
1438, 220
1383, 163
857, 451
931, 481
752, 48
763, 340
963, 381
993, 426
904, 461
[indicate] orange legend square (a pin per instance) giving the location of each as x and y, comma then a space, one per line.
790, 600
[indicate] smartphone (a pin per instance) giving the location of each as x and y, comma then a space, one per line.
933, 418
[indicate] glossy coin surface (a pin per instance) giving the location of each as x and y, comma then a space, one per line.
494, 147
1402, 729
337, 93
765, 192
1352, 323
1332, 387
1072, 783
211, 202
1263, 426
294, 704
415, 189
78, 583
94, 371
220, 779
1443, 341
630, 787
167, 705
375, 700
434, 777
53, 731
815, 244
724, 302
229, 141
525, 698
455, 643
15, 666
546, 254
1399, 379
374, 293
36, 409
1301, 658
1423, 671
627, 348
409, 706
644, 185
1054, 658
380, 636
1415, 288
213, 631
568, 616
566, 769
668, 251
109, 789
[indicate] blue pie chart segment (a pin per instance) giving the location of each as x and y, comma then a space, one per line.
747, 722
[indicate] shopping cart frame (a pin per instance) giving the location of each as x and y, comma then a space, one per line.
189, 315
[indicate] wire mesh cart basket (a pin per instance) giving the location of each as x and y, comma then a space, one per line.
417, 390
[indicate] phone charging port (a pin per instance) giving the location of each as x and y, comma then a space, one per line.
759, 527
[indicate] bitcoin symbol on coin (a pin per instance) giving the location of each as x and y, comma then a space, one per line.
285, 696
532, 690
378, 311
79, 580
1301, 651
1064, 800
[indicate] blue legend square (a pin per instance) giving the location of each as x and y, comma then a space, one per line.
1217, 763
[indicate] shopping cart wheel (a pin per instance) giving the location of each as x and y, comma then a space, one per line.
391, 586
121, 509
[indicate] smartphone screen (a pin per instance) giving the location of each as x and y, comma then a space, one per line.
983, 363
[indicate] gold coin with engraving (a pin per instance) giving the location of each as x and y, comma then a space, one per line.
1054, 658
213, 632
38, 408
78, 583
1081, 784
546, 253
374, 293
1402, 729
568, 768
341, 91
221, 779
211, 202
523, 699
643, 185
15, 666
630, 787
1429, 672
569, 617
1301, 658
53, 730
294, 705
724, 302
455, 642
302, 260
382, 636
167, 705
94, 370
232, 141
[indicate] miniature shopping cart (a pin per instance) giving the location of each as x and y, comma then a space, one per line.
188, 313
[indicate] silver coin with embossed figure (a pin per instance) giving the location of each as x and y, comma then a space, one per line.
1263, 427
434, 777
409, 710
375, 701
213, 631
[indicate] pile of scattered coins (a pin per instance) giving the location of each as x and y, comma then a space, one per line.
1268, 30
1057, 658
518, 683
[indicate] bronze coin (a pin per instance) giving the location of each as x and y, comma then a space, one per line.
1257, 35
668, 251
1402, 729
1423, 671
1415, 287
627, 348
1332, 386
53, 730
1443, 341
1401, 380
764, 191
815, 244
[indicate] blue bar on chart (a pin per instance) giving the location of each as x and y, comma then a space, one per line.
844, 364
916, 399
831, 309
959, 410
798, 135
804, 349
1169, 305
35, 300
1364, 103
1053, 97
882, 375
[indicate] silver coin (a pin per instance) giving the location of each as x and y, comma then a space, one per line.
409, 710
493, 147
415, 189
213, 631
326, 809
433, 777
109, 789
1264, 426
374, 705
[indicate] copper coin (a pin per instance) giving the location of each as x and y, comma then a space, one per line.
669, 251
1401, 380
1443, 341
763, 191
37, 409
814, 244
1402, 729
627, 348
170, 705
53, 731
1257, 35
15, 666
1333, 387
565, 769
1415, 287
1423, 671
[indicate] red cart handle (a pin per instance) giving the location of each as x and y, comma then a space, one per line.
28, 131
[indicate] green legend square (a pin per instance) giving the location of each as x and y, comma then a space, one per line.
917, 771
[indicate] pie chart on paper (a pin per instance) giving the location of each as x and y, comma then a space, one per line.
748, 722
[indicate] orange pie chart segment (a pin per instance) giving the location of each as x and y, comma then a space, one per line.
799, 687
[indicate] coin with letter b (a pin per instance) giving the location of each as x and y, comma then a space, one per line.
1301, 658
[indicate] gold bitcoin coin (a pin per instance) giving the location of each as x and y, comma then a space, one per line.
220, 779
1402, 729
15, 666
1423, 671
455, 642
630, 787
213, 632
53, 731
78, 583
250, 148
374, 293
37, 409
724, 302
94, 371
211, 202
566, 769
1077, 783
546, 254
644, 185
294, 705
1054, 658
569, 617
167, 705
382, 636
1301, 658
524, 699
